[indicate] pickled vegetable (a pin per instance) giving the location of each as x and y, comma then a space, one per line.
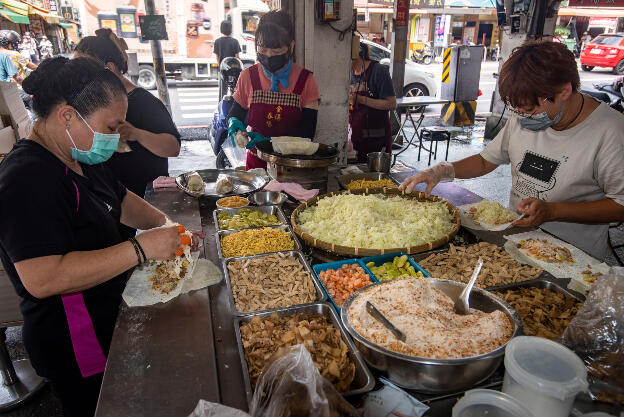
398, 268
246, 218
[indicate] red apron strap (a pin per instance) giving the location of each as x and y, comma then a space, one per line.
303, 77
87, 349
255, 77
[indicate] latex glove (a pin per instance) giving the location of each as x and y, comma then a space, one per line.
442, 172
255, 139
234, 125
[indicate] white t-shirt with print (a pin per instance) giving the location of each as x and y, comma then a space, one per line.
584, 163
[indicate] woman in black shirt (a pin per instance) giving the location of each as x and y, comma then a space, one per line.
60, 208
149, 129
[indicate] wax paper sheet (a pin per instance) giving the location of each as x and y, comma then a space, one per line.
139, 290
558, 270
466, 221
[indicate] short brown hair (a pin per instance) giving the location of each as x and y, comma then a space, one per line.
537, 70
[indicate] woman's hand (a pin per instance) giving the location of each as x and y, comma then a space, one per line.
128, 132
198, 236
537, 212
442, 172
160, 244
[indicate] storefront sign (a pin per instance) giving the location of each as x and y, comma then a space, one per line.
604, 22
66, 12
439, 31
596, 3
402, 12
53, 6
414, 4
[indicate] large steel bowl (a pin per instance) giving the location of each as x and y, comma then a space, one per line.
436, 375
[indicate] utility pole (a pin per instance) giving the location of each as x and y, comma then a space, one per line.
159, 62
399, 44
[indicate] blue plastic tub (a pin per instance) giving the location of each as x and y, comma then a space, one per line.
382, 259
336, 265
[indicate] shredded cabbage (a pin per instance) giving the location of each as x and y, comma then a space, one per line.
376, 221
492, 212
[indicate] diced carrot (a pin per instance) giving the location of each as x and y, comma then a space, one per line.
186, 240
181, 229
180, 252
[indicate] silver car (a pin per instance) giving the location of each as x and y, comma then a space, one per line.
416, 82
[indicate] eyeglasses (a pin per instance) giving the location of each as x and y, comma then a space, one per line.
528, 115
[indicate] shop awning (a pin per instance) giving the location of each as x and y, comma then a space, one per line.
15, 6
65, 25
45, 14
14, 17
591, 12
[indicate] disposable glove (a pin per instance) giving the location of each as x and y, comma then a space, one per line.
442, 172
255, 139
234, 125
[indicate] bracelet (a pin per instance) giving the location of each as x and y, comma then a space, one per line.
140, 248
136, 250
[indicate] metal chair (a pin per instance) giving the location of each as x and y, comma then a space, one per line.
18, 379
434, 134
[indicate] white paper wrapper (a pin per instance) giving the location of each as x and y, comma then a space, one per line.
558, 270
466, 221
139, 290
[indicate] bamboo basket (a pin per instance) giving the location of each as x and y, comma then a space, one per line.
359, 252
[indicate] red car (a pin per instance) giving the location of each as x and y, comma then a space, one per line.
604, 51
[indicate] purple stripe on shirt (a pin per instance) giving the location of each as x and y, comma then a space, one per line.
87, 349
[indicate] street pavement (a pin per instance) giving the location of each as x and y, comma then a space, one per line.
193, 104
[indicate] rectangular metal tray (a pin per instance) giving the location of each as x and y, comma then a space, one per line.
363, 381
540, 283
320, 294
343, 180
318, 268
284, 227
274, 210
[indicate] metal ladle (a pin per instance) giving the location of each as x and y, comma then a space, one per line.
383, 320
461, 304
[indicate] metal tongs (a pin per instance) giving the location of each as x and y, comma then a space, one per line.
383, 320
461, 304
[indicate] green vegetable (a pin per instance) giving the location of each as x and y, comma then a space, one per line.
246, 218
398, 268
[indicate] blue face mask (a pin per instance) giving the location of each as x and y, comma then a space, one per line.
540, 121
103, 147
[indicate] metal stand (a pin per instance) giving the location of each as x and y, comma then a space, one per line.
18, 379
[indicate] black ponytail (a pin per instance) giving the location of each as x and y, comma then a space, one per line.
103, 48
82, 83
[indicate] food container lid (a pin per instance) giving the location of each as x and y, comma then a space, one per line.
545, 366
490, 403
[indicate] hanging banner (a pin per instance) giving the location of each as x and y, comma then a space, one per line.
413, 4
53, 6
402, 12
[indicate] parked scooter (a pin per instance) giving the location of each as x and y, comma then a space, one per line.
423, 55
610, 93
229, 72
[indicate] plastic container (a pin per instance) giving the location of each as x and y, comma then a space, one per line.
318, 268
389, 257
543, 375
489, 403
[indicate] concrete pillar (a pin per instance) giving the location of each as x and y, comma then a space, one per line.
509, 42
399, 45
159, 62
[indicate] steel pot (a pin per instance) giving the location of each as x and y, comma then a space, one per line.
436, 375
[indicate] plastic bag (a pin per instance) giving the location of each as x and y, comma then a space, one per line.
290, 385
596, 334
208, 409
391, 400
235, 154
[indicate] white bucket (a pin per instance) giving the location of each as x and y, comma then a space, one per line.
543, 375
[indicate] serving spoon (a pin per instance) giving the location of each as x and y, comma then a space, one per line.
461, 304
383, 320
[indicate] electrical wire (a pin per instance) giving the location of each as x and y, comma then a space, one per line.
342, 32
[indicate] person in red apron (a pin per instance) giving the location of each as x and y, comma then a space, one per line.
276, 96
372, 96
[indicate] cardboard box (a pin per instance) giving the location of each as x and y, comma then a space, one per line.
7, 140
12, 106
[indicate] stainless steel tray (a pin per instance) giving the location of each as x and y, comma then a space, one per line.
320, 294
274, 210
344, 180
284, 227
363, 381
540, 283
244, 182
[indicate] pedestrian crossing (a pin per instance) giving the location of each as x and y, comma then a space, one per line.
195, 105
